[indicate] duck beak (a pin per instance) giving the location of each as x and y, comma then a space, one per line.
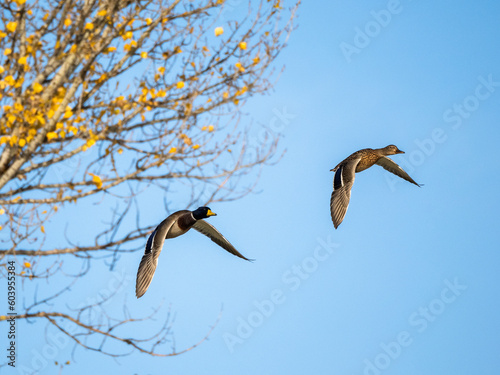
210, 213
399, 152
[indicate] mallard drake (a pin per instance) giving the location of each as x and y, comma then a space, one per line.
173, 226
357, 162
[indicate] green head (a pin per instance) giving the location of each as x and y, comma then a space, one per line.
203, 213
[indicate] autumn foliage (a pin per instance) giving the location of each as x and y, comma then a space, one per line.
102, 97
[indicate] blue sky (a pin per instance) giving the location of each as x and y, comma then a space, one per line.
408, 283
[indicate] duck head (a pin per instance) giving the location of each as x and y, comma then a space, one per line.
392, 150
203, 213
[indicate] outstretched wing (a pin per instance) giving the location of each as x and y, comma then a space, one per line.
149, 260
342, 185
209, 230
391, 166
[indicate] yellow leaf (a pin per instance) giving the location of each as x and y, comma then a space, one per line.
180, 84
2, 69
22, 142
37, 87
196, 147
96, 180
120, 150
218, 31
10, 80
2, 211
42, 228
204, 128
44, 212
11, 26
102, 13
149, 21
173, 150
243, 45
51, 135
111, 49
211, 128
67, 22
22, 60
7, 51
256, 60
28, 264
19, 82
144, 54
225, 95
89, 26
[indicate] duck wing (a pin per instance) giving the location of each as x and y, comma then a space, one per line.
209, 230
391, 166
342, 185
149, 260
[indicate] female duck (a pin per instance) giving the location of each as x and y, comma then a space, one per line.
357, 162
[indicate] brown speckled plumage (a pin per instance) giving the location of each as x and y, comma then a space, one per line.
354, 163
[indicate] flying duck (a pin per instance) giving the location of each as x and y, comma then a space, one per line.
357, 162
173, 226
